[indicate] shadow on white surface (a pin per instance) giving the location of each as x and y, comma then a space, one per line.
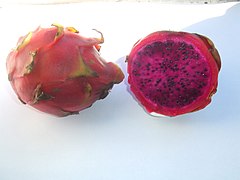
224, 32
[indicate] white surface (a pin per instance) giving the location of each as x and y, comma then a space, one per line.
116, 139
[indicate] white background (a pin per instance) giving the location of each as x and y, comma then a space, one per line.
116, 139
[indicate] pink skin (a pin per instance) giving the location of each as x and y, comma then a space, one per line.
68, 74
206, 50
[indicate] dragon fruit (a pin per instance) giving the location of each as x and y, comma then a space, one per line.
58, 71
173, 73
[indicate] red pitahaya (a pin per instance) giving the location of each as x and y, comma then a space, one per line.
60, 72
173, 73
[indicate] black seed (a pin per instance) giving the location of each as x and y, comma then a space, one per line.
197, 73
177, 57
138, 64
162, 103
148, 46
196, 56
182, 46
157, 44
163, 54
190, 47
178, 89
158, 80
164, 85
185, 57
203, 84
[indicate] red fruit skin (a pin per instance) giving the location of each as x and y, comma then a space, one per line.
60, 72
206, 47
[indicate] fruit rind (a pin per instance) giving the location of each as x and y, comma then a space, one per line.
59, 71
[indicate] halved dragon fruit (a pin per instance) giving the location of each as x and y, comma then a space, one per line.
173, 73
58, 71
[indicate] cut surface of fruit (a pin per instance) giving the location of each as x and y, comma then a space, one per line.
173, 73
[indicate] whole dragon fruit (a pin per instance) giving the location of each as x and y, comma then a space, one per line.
58, 71
173, 73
